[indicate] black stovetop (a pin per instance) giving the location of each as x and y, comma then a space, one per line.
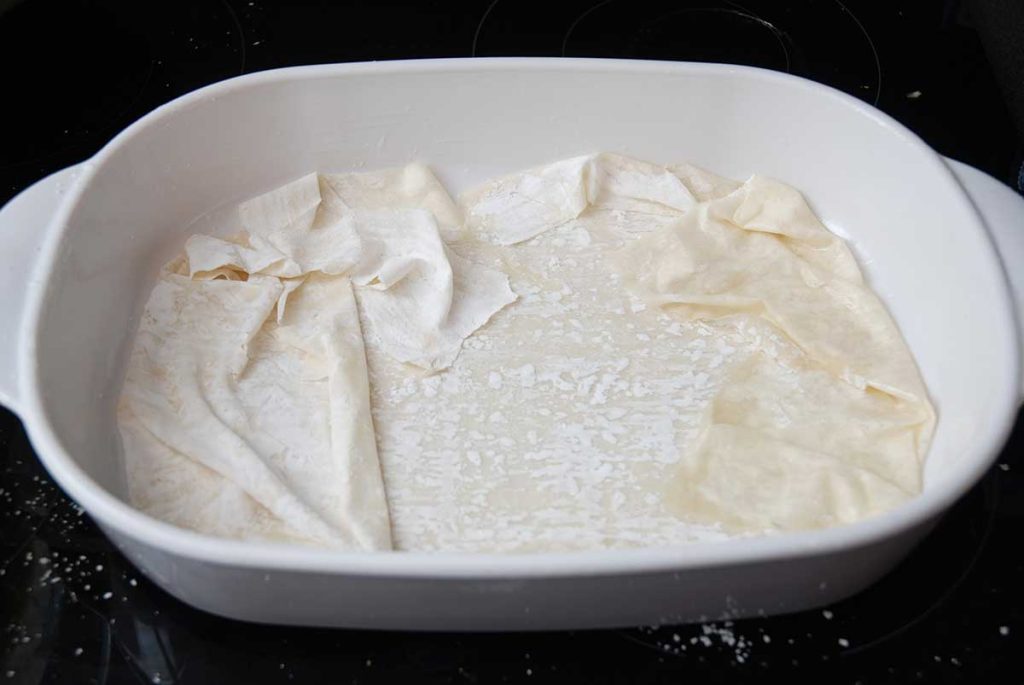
73, 610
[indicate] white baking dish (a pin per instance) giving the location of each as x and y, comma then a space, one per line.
80, 251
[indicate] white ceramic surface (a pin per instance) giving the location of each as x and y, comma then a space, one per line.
79, 252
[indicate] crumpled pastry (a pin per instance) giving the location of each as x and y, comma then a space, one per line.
836, 433
245, 411
761, 250
420, 299
384, 230
185, 395
521, 206
413, 186
788, 445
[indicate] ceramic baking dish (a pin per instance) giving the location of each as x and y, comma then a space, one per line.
79, 252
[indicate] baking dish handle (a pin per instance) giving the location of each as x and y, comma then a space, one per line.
23, 226
1003, 211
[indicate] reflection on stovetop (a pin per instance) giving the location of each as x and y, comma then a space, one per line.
72, 610
818, 39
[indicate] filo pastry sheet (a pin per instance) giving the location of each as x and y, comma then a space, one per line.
723, 368
246, 408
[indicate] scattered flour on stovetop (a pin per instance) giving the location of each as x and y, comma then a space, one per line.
703, 637
562, 418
